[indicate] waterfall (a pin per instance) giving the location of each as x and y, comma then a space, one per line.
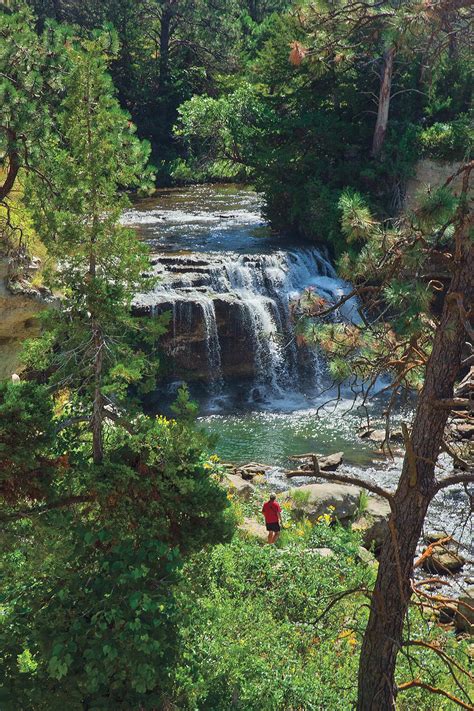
231, 315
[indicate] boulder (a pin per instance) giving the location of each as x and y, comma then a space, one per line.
238, 485
321, 552
464, 619
433, 536
447, 613
331, 462
366, 556
314, 500
373, 522
443, 561
378, 435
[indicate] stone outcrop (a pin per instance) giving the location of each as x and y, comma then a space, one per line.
238, 485
231, 313
431, 173
253, 529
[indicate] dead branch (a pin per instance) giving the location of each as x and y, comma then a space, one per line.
45, 508
454, 403
460, 463
339, 597
344, 479
430, 549
455, 479
440, 652
434, 690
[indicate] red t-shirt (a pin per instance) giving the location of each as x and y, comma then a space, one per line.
270, 510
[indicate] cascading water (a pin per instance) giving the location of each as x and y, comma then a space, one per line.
231, 308
229, 285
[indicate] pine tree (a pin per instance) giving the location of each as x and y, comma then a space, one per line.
100, 265
420, 346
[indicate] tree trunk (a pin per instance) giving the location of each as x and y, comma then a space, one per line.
97, 417
165, 46
416, 488
13, 163
384, 102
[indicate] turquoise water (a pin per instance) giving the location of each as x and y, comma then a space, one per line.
271, 437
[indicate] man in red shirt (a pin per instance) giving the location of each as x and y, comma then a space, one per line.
272, 512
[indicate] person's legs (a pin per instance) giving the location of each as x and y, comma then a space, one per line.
270, 537
275, 536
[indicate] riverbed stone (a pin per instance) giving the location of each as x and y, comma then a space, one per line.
465, 430
433, 536
464, 619
331, 462
443, 562
378, 435
314, 500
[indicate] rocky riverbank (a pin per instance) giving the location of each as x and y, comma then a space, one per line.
441, 565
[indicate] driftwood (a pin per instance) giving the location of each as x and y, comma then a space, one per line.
246, 471
316, 465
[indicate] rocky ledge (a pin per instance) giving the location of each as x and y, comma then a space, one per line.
19, 305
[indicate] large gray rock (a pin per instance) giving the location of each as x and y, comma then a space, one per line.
331, 462
313, 500
238, 485
464, 619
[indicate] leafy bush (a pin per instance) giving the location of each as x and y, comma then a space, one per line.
448, 141
91, 617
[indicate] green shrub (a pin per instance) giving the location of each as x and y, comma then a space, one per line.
448, 141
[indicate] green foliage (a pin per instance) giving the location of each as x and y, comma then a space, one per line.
254, 640
448, 140
92, 345
299, 497
92, 616
27, 434
257, 638
310, 139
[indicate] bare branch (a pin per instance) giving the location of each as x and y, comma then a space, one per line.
434, 690
455, 479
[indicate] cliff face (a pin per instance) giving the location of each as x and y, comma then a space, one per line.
18, 308
433, 173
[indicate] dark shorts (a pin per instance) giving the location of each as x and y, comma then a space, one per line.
275, 527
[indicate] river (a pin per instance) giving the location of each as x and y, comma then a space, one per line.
229, 283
